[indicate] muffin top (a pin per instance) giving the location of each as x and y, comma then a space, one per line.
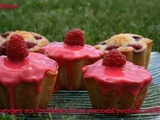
124, 42
33, 40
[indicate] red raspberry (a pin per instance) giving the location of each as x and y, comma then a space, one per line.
74, 37
16, 48
114, 59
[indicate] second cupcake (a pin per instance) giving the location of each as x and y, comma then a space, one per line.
71, 55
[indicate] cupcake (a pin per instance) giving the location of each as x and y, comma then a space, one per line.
71, 55
27, 78
114, 83
33, 40
136, 48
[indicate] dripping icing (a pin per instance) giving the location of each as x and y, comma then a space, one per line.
31, 69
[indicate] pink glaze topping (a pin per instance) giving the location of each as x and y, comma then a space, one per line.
61, 50
130, 77
65, 55
31, 69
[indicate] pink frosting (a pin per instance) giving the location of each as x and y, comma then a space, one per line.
65, 55
131, 78
60, 50
31, 69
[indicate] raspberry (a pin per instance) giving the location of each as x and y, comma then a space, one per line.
112, 47
3, 48
37, 37
30, 45
103, 43
74, 37
5, 35
137, 38
16, 48
136, 47
114, 59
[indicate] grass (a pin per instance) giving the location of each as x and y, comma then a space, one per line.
99, 19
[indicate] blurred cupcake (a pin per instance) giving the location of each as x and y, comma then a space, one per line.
33, 40
71, 55
136, 48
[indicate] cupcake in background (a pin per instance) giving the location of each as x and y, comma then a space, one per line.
33, 40
114, 83
136, 48
71, 55
27, 78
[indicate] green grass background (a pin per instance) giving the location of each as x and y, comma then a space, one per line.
100, 19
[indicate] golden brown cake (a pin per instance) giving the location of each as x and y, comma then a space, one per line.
33, 40
27, 78
71, 55
26, 94
136, 48
119, 85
